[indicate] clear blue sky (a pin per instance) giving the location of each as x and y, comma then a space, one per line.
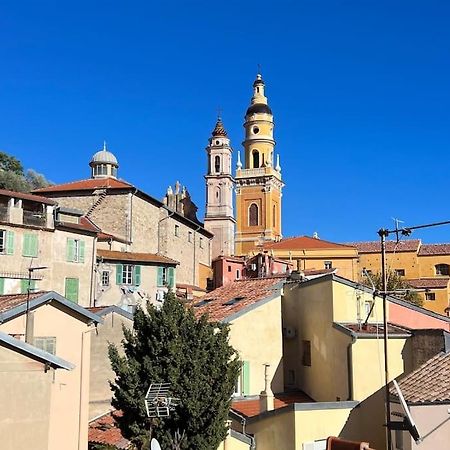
360, 92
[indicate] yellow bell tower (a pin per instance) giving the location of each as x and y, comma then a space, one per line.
258, 183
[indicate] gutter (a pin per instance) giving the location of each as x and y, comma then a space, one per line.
243, 421
350, 366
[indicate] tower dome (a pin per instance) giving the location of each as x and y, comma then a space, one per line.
104, 164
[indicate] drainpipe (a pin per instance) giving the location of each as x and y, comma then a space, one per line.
350, 366
195, 231
94, 257
243, 423
130, 219
171, 213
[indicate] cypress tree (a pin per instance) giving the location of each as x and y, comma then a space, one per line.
192, 354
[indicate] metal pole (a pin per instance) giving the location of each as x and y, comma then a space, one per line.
383, 233
28, 306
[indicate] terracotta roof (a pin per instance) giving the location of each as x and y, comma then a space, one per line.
25, 196
85, 224
375, 328
251, 407
304, 243
311, 272
10, 301
408, 245
434, 249
233, 297
429, 283
102, 237
430, 383
192, 287
136, 257
104, 430
87, 185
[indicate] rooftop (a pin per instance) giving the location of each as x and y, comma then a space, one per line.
236, 297
430, 383
305, 243
429, 283
25, 196
251, 407
85, 224
434, 249
104, 430
373, 329
408, 245
87, 185
135, 257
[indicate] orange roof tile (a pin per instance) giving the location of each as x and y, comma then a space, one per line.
85, 224
251, 407
408, 245
136, 257
434, 249
10, 301
304, 243
234, 297
104, 430
25, 196
87, 185
429, 283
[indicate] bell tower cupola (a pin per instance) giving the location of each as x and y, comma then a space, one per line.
104, 164
219, 218
258, 179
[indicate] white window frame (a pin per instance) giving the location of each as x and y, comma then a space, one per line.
328, 264
127, 274
3, 242
106, 275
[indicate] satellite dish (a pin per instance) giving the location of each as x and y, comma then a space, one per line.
154, 445
408, 423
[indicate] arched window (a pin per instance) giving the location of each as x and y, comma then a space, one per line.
218, 195
217, 164
255, 159
253, 215
442, 269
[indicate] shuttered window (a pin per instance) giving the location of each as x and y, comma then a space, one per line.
246, 377
75, 250
30, 245
71, 289
166, 276
128, 274
6, 242
24, 285
46, 343
2, 286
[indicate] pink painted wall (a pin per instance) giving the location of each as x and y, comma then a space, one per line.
403, 316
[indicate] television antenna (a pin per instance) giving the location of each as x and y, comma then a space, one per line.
158, 402
154, 445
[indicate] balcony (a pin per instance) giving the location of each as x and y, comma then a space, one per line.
4, 215
35, 218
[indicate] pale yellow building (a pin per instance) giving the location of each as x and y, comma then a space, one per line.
56, 328
36, 232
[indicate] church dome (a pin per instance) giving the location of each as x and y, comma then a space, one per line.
104, 157
258, 108
219, 129
104, 164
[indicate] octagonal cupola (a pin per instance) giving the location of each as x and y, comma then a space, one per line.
104, 164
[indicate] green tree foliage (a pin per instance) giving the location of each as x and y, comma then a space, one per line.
395, 282
171, 345
9, 163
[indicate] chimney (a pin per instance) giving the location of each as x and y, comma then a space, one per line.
266, 396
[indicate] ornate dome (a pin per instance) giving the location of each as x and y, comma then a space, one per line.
258, 108
104, 157
219, 130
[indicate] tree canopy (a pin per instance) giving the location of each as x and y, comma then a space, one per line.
192, 354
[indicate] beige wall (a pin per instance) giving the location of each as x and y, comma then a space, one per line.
69, 389
232, 443
257, 337
52, 253
25, 402
110, 331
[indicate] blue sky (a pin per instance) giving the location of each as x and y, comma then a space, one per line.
360, 92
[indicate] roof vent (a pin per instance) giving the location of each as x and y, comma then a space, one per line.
233, 301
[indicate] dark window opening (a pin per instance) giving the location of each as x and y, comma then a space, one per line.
217, 164
255, 159
253, 217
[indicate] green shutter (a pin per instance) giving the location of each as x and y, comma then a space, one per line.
2, 286
171, 277
71, 289
70, 249
30, 245
81, 252
246, 377
159, 280
9, 242
137, 275
26, 245
24, 285
119, 270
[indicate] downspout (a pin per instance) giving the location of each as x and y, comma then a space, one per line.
243, 423
159, 229
130, 218
195, 231
94, 258
350, 366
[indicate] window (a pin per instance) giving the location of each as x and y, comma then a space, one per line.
75, 250
166, 277
217, 164
105, 278
229, 268
368, 309
24, 286
238, 274
101, 169
442, 269
242, 386
72, 286
328, 264
30, 245
306, 356
255, 155
46, 343
177, 230
128, 274
430, 296
6, 242
114, 171
201, 243
366, 272
253, 215
190, 236
400, 272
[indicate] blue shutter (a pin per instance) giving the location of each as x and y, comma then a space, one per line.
159, 280
171, 277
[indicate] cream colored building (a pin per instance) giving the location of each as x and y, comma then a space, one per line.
54, 328
138, 222
36, 232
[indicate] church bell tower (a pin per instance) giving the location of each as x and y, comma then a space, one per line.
258, 183
219, 218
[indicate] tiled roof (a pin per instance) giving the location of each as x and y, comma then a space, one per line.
374, 329
85, 224
10, 301
251, 407
234, 297
311, 272
102, 237
87, 185
429, 383
104, 430
24, 196
434, 249
136, 257
408, 245
304, 243
429, 283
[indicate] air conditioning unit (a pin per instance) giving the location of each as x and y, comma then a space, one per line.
159, 296
289, 332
